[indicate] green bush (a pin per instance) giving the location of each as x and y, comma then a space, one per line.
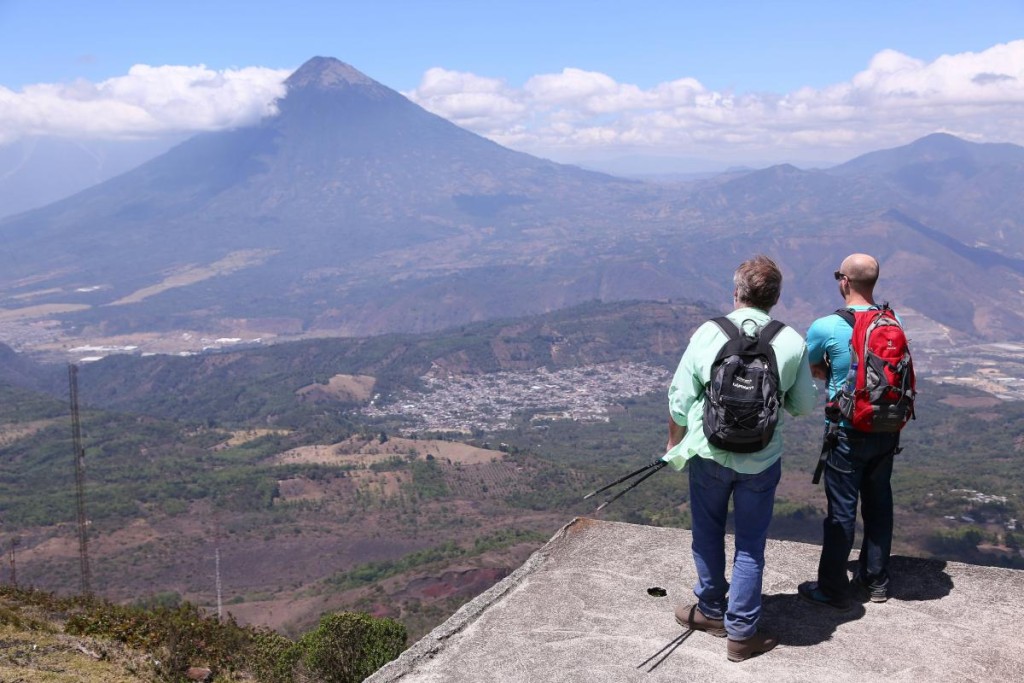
193, 639
347, 647
272, 657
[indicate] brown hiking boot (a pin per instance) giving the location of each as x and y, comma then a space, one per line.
740, 650
689, 616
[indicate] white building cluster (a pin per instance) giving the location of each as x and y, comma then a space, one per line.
996, 368
489, 402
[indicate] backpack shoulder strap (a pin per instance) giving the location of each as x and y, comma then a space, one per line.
727, 326
764, 342
848, 315
771, 330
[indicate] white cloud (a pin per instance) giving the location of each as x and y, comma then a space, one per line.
572, 85
484, 105
148, 101
577, 114
896, 99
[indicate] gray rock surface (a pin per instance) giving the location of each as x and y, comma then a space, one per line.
579, 610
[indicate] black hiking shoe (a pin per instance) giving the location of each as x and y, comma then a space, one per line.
812, 593
875, 592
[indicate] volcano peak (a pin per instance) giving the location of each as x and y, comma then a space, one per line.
328, 73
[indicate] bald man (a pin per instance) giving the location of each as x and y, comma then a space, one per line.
858, 465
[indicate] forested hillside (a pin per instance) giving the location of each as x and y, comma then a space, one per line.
270, 460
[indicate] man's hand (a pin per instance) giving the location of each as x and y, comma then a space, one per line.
819, 371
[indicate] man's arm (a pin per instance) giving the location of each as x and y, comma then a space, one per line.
801, 397
817, 352
685, 388
675, 434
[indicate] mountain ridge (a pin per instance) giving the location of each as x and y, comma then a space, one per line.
354, 211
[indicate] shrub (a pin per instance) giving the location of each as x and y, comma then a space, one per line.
100, 619
272, 657
347, 647
193, 639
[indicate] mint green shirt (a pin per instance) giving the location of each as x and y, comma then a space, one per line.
686, 393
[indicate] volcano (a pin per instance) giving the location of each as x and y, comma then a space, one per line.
352, 210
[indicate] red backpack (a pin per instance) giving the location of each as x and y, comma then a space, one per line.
879, 392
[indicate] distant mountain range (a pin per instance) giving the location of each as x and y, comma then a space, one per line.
354, 212
37, 171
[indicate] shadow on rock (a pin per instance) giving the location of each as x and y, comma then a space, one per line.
916, 578
662, 654
798, 623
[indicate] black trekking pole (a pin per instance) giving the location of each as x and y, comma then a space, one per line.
649, 469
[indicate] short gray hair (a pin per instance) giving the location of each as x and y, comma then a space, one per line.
758, 282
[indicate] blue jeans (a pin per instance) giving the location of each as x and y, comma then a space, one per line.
711, 486
858, 465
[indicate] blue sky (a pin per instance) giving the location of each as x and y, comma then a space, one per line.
729, 55
750, 46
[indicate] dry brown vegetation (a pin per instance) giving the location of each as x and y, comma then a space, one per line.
342, 388
44, 655
363, 452
35, 649
244, 436
190, 275
40, 311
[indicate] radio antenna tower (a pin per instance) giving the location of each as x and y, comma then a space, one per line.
220, 603
76, 436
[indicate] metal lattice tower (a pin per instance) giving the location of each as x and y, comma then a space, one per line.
76, 435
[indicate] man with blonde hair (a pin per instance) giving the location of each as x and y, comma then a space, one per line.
717, 474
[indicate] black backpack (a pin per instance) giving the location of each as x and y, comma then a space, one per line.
741, 400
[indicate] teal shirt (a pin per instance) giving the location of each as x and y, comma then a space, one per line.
830, 336
686, 393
